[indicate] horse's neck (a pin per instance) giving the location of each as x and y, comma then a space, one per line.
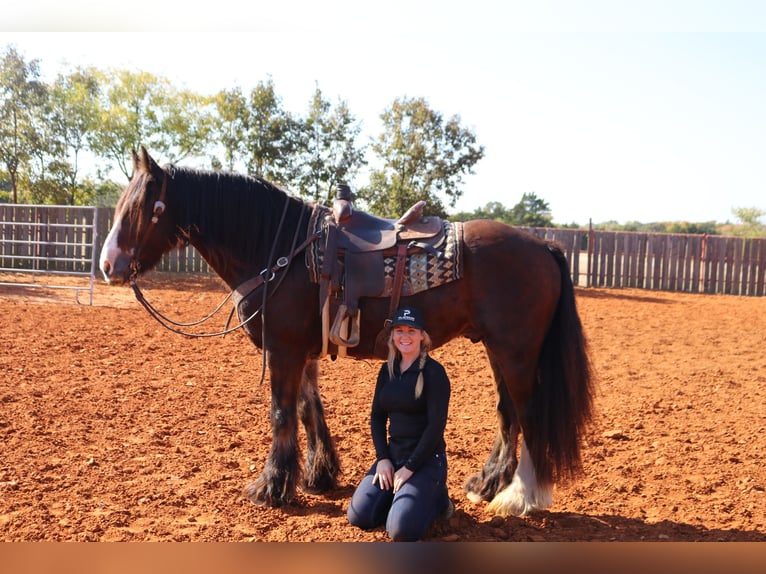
234, 253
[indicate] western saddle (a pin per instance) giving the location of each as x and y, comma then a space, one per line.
356, 244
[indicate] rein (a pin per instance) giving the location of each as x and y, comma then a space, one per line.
168, 323
262, 279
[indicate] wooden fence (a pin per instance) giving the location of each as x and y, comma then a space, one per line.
613, 259
663, 261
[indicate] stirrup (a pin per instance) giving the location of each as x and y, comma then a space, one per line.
339, 324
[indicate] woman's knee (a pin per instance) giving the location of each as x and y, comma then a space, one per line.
405, 530
369, 506
406, 522
363, 521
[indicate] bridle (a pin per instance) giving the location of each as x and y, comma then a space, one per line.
263, 279
159, 209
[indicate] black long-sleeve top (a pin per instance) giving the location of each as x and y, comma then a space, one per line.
415, 426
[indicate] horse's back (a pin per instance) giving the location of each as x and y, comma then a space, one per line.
513, 261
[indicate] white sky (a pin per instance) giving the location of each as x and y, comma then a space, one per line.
645, 110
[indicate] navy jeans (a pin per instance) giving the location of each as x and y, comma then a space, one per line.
409, 513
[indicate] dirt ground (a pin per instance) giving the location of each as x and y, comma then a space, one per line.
114, 429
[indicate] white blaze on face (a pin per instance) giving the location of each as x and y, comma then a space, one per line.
110, 250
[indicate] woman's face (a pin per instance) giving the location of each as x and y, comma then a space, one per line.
407, 340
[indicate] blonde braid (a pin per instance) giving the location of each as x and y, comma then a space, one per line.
419, 384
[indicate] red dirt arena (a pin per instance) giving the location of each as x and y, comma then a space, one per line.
115, 429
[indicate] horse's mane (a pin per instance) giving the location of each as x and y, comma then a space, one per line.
237, 214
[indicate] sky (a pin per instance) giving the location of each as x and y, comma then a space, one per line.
608, 110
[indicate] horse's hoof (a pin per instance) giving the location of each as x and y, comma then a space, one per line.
472, 483
308, 489
477, 490
319, 485
258, 494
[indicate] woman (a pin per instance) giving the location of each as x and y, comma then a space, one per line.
406, 487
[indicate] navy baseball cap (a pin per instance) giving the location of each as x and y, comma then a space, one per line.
407, 316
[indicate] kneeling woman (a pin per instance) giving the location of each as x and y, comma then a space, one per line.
406, 487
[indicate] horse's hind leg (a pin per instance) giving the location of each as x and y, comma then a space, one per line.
518, 490
525, 494
322, 464
277, 483
501, 464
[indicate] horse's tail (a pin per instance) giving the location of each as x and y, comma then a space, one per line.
562, 405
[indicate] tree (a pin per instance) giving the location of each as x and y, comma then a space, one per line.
186, 124
70, 118
531, 211
422, 157
127, 118
327, 152
139, 108
21, 95
270, 136
751, 226
687, 227
496, 211
229, 126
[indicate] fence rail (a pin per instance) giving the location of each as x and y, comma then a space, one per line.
66, 240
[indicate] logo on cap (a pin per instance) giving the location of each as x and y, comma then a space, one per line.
405, 316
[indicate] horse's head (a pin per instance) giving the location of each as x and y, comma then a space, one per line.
143, 229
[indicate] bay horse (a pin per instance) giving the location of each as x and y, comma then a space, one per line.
515, 296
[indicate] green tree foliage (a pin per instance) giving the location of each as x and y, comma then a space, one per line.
128, 117
138, 109
5, 187
684, 227
531, 211
493, 210
687, 227
45, 129
327, 152
71, 118
270, 136
421, 156
750, 225
229, 126
186, 124
110, 113
22, 95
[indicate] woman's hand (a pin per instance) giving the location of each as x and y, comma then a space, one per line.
384, 474
400, 477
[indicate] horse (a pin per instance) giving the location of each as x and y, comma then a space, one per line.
515, 297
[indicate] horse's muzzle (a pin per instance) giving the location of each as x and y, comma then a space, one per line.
118, 271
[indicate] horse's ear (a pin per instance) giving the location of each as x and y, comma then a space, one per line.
145, 162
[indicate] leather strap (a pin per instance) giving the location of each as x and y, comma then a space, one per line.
396, 288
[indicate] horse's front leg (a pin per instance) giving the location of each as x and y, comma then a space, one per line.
322, 464
276, 485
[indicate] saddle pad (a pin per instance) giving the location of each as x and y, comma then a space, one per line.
424, 270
